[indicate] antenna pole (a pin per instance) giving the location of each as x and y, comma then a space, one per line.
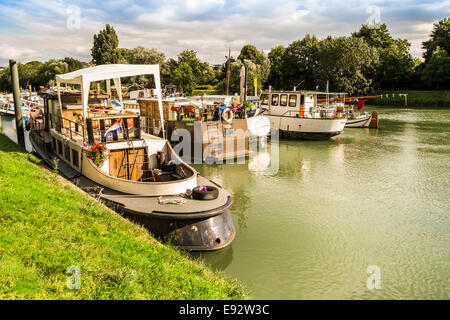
228, 70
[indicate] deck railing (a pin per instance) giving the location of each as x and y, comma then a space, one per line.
72, 130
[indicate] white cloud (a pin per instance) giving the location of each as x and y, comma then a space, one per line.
38, 30
8, 52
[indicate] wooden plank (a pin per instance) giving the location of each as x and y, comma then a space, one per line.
118, 164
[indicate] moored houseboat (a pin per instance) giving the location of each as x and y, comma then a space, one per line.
304, 114
218, 130
104, 150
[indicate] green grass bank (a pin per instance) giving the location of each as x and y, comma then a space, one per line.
46, 225
416, 99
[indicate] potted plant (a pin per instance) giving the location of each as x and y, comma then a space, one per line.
97, 152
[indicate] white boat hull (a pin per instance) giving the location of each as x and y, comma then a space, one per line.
359, 122
307, 128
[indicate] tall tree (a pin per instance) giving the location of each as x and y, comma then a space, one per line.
104, 50
437, 70
276, 58
300, 62
141, 55
345, 63
183, 77
395, 63
377, 36
249, 52
124, 55
439, 37
51, 68
73, 64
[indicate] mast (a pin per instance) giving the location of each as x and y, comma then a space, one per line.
228, 70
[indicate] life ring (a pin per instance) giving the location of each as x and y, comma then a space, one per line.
228, 115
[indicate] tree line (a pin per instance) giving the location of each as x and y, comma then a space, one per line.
369, 60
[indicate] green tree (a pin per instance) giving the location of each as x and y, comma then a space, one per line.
124, 55
439, 37
51, 68
104, 50
377, 36
300, 62
202, 73
29, 74
183, 77
437, 70
345, 63
257, 64
249, 52
141, 55
276, 58
73, 64
253, 71
395, 61
200, 70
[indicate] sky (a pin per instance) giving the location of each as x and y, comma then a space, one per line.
40, 30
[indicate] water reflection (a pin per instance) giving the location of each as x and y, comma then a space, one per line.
218, 260
368, 196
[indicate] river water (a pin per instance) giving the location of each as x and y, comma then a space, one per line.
311, 227
369, 197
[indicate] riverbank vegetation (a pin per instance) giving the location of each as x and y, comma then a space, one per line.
370, 60
49, 231
415, 98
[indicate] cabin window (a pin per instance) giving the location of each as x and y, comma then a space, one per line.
283, 100
67, 152
75, 158
265, 99
302, 100
292, 100
275, 99
60, 149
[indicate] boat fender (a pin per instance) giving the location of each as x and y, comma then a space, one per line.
211, 193
227, 115
161, 158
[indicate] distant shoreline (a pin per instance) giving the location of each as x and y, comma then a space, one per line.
416, 99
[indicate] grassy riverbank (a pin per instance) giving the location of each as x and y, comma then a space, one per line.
46, 226
419, 99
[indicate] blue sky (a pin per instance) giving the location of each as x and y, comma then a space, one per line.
39, 30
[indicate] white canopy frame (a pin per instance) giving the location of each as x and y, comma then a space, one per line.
84, 77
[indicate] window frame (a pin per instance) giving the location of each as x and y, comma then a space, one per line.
281, 99
262, 99
295, 101
278, 99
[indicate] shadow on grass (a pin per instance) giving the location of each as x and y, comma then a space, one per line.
9, 146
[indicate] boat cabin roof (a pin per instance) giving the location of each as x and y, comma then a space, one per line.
84, 77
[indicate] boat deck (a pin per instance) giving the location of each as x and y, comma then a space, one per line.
141, 204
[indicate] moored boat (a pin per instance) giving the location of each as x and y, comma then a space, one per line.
304, 114
212, 130
104, 150
358, 121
